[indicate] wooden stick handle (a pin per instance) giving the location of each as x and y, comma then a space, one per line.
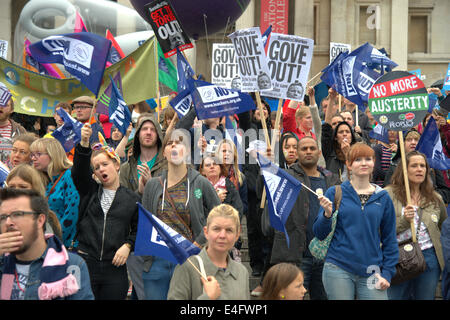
313, 78
406, 181
196, 269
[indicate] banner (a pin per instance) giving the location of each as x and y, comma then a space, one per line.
155, 238
224, 66
37, 94
289, 60
83, 55
398, 100
103, 101
336, 48
211, 101
167, 27
119, 114
167, 73
251, 58
275, 13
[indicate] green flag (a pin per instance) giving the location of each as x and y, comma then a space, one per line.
167, 71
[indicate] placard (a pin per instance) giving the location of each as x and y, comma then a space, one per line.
224, 69
336, 48
398, 100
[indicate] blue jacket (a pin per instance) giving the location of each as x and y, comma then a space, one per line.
76, 265
359, 232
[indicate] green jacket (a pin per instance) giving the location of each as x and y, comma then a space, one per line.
432, 217
186, 284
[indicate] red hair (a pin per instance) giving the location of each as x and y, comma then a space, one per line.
359, 150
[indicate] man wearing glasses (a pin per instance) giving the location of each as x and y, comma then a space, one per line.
34, 265
83, 108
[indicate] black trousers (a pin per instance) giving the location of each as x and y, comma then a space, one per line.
108, 282
256, 240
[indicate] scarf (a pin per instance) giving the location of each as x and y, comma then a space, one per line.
56, 282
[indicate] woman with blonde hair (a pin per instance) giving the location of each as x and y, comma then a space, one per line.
25, 176
427, 208
49, 158
222, 277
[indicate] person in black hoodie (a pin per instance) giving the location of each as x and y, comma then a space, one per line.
108, 217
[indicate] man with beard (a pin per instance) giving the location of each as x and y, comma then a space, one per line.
314, 177
147, 161
34, 265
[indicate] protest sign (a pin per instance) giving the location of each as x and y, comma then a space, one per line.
289, 60
4, 49
167, 27
251, 59
336, 48
447, 79
398, 100
224, 66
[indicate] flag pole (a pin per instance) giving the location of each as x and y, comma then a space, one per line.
313, 78
406, 180
276, 133
196, 269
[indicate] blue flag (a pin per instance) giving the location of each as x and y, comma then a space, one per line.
182, 102
353, 74
432, 101
69, 134
4, 172
265, 36
155, 238
212, 101
185, 72
105, 97
282, 191
83, 55
379, 133
119, 114
431, 146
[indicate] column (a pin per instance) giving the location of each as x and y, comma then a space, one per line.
304, 18
338, 21
399, 33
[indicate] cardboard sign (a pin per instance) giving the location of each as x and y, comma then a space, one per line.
167, 27
251, 59
224, 70
289, 61
447, 79
4, 49
336, 48
398, 100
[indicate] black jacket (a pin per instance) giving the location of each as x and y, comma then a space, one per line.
296, 224
99, 237
233, 198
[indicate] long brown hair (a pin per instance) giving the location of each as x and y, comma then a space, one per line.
426, 187
279, 277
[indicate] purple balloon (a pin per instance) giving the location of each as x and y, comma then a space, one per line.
194, 14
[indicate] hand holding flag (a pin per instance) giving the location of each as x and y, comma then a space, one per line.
69, 134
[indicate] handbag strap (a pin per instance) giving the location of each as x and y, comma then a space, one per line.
54, 185
418, 224
176, 215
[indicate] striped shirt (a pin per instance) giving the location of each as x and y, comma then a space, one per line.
385, 163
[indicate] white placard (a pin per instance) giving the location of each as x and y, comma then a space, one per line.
4, 49
224, 69
336, 48
251, 59
289, 60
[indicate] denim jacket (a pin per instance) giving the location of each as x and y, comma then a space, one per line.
76, 265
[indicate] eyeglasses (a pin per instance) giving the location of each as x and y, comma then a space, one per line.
81, 107
15, 215
22, 152
37, 154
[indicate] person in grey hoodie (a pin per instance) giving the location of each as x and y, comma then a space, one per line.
182, 198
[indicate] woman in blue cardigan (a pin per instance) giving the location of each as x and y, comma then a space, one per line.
363, 252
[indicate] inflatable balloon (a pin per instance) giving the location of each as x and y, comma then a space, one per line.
193, 15
42, 18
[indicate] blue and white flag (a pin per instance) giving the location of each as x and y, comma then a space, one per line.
212, 101
185, 72
119, 114
431, 146
155, 238
353, 74
446, 85
432, 101
4, 172
265, 36
83, 55
282, 191
379, 133
182, 103
5, 95
69, 134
